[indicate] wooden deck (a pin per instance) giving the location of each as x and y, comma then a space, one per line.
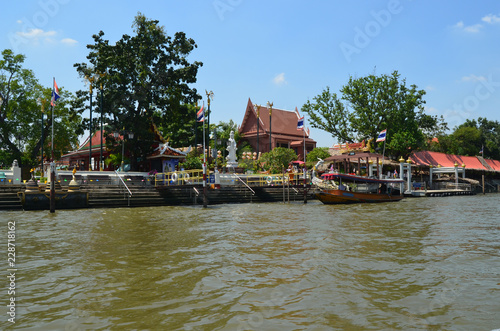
439, 193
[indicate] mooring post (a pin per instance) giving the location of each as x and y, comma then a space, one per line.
484, 192
52, 187
305, 193
283, 182
204, 185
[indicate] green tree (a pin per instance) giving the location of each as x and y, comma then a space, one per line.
472, 136
490, 137
317, 153
146, 80
18, 90
181, 127
193, 160
466, 140
23, 99
371, 104
278, 159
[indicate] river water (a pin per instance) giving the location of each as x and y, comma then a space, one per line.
418, 264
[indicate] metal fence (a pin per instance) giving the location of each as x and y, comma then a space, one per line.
195, 177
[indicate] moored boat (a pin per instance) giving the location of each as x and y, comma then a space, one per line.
339, 188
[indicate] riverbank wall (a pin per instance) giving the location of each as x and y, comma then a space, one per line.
112, 196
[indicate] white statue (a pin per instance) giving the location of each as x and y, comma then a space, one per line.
231, 148
315, 168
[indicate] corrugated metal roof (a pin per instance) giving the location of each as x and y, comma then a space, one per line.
494, 164
427, 158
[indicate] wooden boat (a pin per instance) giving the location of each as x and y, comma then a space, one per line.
339, 188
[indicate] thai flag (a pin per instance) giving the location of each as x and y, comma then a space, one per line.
200, 115
300, 123
381, 136
482, 150
55, 94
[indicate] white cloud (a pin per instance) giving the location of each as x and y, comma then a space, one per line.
491, 19
468, 28
473, 78
69, 41
432, 110
475, 28
280, 79
37, 36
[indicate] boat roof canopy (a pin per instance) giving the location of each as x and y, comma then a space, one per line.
353, 178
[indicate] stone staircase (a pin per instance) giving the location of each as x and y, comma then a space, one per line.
9, 200
106, 196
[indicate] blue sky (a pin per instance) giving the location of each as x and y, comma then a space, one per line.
285, 51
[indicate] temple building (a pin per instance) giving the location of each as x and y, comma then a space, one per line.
162, 159
265, 129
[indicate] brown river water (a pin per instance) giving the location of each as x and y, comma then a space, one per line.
418, 264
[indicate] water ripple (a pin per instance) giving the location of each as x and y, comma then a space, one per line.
428, 263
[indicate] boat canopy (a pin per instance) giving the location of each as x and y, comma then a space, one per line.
354, 178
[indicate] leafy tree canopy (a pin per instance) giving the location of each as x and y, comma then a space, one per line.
317, 153
470, 138
23, 100
278, 159
145, 79
371, 104
181, 129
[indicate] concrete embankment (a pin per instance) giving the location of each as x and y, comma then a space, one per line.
111, 196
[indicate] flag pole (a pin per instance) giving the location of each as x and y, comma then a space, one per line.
482, 155
304, 169
304, 131
383, 156
204, 162
52, 164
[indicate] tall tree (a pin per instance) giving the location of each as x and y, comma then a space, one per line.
18, 88
490, 138
21, 115
146, 79
371, 104
179, 127
471, 137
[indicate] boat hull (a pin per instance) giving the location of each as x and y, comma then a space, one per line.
346, 197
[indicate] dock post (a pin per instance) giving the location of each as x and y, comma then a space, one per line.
52, 187
283, 182
305, 193
204, 185
484, 192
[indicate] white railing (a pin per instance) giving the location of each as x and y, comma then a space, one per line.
248, 187
452, 186
124, 185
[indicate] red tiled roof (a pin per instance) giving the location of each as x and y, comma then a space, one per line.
283, 121
427, 158
96, 140
494, 164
